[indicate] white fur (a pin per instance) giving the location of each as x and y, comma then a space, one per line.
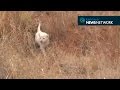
42, 39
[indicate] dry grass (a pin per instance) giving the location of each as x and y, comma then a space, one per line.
74, 52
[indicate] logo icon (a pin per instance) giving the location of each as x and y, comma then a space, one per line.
82, 20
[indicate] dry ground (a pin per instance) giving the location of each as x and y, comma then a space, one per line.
74, 52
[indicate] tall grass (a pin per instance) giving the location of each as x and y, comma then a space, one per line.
74, 51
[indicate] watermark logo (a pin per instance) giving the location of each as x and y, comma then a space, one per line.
82, 20
98, 20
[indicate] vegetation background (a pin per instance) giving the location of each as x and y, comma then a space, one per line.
74, 52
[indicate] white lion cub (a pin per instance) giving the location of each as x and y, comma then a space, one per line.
42, 39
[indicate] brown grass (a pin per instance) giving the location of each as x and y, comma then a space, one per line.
74, 52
